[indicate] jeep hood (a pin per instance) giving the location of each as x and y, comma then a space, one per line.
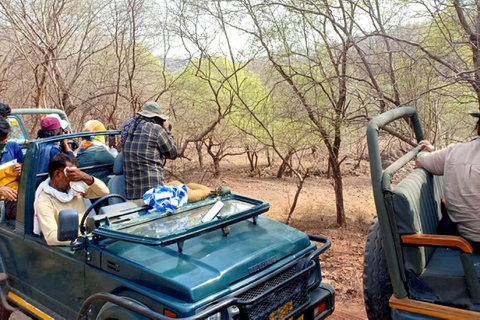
210, 263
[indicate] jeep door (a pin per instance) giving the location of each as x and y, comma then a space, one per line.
51, 276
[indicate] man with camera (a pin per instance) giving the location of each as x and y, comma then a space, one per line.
148, 144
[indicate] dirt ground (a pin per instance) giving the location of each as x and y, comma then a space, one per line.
342, 264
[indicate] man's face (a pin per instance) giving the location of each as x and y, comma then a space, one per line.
61, 180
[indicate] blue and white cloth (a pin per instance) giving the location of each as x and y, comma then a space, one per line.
166, 198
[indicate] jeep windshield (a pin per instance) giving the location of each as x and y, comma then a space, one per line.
161, 228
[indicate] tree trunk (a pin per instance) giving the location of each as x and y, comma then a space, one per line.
250, 160
40, 79
284, 166
269, 160
198, 147
300, 182
338, 187
216, 166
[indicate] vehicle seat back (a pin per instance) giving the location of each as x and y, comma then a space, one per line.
416, 206
117, 182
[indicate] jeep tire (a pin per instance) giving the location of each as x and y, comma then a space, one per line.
377, 288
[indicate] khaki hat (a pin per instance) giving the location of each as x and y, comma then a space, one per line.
152, 109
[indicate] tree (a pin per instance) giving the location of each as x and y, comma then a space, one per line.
57, 39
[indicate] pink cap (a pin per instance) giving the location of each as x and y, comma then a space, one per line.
50, 123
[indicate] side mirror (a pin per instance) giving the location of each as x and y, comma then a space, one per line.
67, 225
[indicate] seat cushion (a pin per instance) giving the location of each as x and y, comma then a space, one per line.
416, 209
116, 185
118, 164
445, 276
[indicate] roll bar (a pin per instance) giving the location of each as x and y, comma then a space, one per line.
381, 183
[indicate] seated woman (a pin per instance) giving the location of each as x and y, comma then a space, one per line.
10, 153
51, 127
94, 152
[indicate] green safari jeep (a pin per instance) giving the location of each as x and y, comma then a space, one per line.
132, 263
410, 271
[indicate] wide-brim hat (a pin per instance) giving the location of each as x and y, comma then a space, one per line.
474, 113
152, 109
63, 123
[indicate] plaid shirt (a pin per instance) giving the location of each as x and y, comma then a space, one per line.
125, 128
144, 157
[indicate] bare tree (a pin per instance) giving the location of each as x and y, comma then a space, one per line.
57, 39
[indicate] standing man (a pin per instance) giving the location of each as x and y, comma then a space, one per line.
459, 164
148, 144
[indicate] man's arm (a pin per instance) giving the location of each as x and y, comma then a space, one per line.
56, 151
48, 224
95, 187
434, 162
166, 144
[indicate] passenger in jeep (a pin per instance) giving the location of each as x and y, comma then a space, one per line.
460, 165
5, 110
94, 152
11, 157
51, 127
58, 193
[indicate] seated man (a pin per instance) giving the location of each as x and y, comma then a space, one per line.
55, 194
460, 166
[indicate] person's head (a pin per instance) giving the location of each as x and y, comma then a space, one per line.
153, 110
63, 123
50, 127
56, 171
4, 110
4, 129
94, 126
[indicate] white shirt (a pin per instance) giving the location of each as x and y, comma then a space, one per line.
460, 166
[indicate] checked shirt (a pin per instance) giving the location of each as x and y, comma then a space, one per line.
144, 154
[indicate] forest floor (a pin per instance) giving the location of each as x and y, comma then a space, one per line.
342, 264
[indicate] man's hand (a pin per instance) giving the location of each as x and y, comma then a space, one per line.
17, 169
425, 145
66, 146
7, 193
75, 174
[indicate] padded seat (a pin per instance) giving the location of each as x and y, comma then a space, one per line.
117, 183
434, 274
445, 276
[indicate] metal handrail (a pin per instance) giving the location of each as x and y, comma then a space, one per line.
381, 181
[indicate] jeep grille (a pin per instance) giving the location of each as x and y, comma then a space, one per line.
259, 303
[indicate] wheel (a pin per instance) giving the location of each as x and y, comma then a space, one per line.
110, 311
377, 288
94, 205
